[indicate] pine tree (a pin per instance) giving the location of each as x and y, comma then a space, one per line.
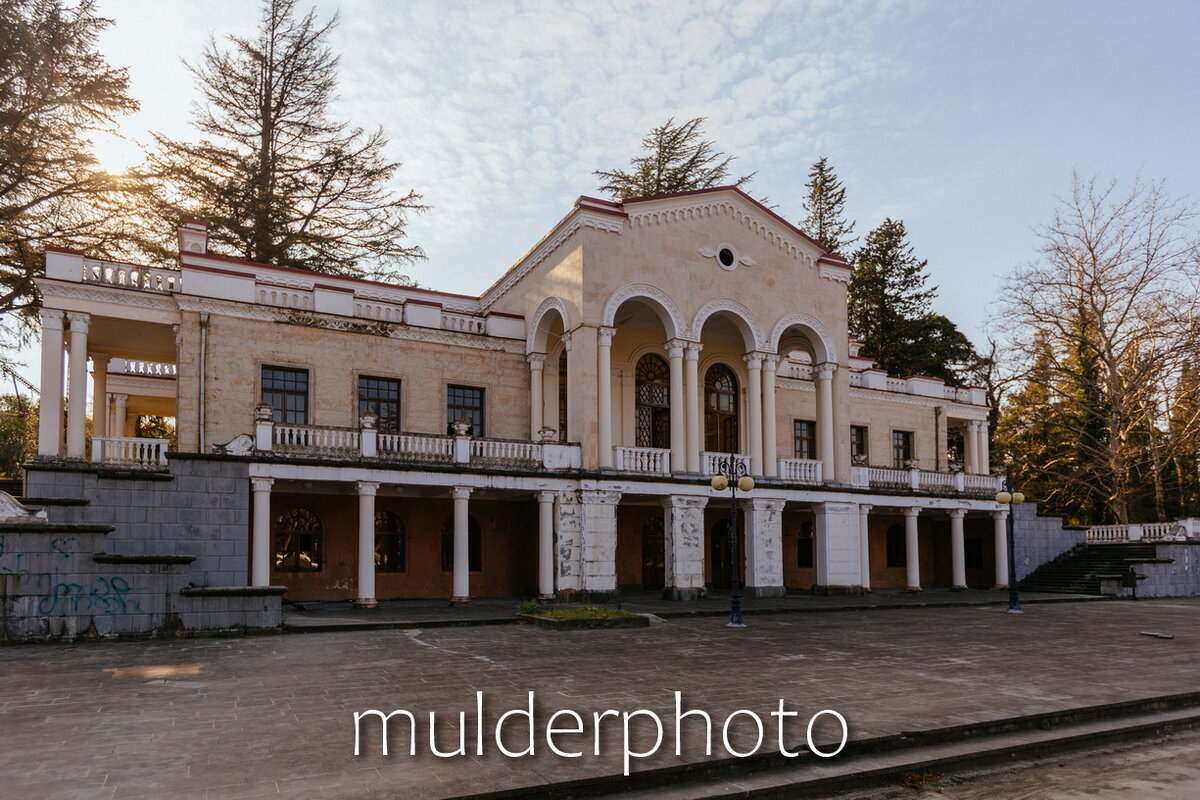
56, 91
677, 158
276, 178
889, 301
824, 209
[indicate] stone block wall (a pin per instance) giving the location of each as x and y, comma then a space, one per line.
1175, 574
1039, 539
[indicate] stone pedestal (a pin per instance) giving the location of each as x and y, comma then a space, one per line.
764, 547
684, 547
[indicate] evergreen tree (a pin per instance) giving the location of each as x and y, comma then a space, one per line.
56, 92
824, 209
276, 178
677, 158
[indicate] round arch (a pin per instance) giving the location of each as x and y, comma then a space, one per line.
652, 296
816, 332
743, 319
539, 330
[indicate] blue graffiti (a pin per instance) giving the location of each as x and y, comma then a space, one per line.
17, 568
59, 542
104, 596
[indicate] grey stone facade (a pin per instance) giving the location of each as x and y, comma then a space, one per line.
1039, 539
1175, 573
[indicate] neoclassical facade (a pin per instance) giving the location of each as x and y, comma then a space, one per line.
553, 436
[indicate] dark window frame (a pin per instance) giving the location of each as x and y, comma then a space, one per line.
277, 384
478, 427
375, 401
806, 546
389, 525
722, 426
804, 439
902, 448
302, 526
652, 402
860, 442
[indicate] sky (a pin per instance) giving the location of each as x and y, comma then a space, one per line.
964, 119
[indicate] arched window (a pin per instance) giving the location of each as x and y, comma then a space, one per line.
653, 554
298, 536
562, 396
389, 542
653, 402
474, 545
720, 410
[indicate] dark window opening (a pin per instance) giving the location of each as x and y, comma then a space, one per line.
973, 553
805, 546
474, 545
562, 396
804, 438
901, 448
897, 553
381, 397
858, 443
725, 257
465, 404
285, 390
298, 536
389, 542
653, 402
654, 556
720, 410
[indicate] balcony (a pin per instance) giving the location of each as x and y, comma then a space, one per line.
130, 453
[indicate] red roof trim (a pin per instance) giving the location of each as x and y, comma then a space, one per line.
417, 302
50, 248
333, 288
504, 314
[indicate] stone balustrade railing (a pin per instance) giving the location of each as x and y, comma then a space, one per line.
129, 452
800, 470
150, 369
1179, 530
710, 463
128, 276
650, 460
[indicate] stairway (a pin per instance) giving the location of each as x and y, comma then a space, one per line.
1078, 570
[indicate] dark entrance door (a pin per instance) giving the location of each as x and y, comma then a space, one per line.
653, 555
720, 556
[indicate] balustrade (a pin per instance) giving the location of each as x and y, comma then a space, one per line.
130, 451
651, 460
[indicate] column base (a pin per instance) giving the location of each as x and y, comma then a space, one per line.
835, 590
913, 589
546, 598
958, 588
765, 591
684, 593
460, 601
1000, 586
366, 602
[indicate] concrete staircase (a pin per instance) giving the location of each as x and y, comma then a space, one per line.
1080, 569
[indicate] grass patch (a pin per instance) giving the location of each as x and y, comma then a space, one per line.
582, 612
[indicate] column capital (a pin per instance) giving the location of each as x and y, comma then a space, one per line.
865, 508
122, 400
536, 360
825, 371
675, 347
753, 360
51, 318
261, 484
461, 492
999, 515
957, 513
912, 511
566, 340
362, 488
604, 335
79, 321
770, 362
693, 351
546, 497
599, 497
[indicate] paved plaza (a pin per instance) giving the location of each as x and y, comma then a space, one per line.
271, 716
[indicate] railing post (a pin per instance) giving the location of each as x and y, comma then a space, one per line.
368, 435
1134, 533
97, 449
914, 478
960, 481
264, 427
462, 443
819, 472
619, 457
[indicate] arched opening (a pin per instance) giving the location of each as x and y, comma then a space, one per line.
390, 546
652, 416
474, 545
563, 394
720, 410
299, 539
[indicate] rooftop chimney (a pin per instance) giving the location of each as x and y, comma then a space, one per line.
193, 236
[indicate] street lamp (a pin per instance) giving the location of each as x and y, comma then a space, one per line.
1011, 497
731, 475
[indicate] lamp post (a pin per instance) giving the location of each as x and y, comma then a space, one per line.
731, 474
1011, 497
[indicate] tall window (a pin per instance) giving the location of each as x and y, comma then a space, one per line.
720, 410
381, 397
286, 391
465, 403
901, 448
562, 396
298, 537
897, 553
389, 542
653, 402
474, 545
858, 442
804, 435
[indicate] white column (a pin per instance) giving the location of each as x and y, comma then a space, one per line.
536, 389
691, 380
546, 544
764, 547
77, 387
120, 403
366, 543
958, 564
912, 550
99, 395
260, 541
825, 443
1000, 527
754, 430
770, 444
985, 458
970, 457
675, 349
50, 418
461, 595
864, 545
604, 395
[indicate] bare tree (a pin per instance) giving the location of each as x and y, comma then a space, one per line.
1113, 301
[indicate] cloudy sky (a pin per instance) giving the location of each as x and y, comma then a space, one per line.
964, 119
